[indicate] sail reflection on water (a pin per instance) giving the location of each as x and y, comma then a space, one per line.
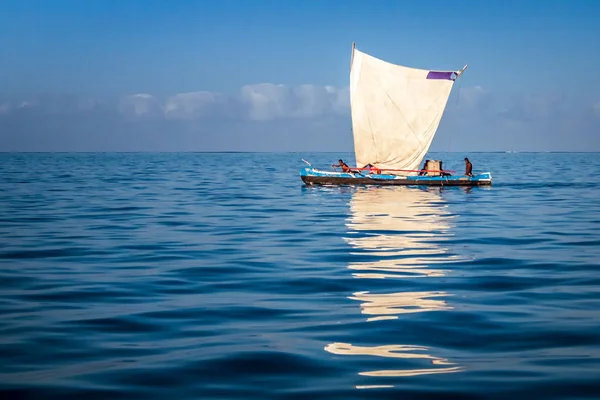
401, 228
398, 233
385, 306
396, 351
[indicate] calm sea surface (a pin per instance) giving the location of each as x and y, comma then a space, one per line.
203, 276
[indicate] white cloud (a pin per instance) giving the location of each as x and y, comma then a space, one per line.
257, 102
267, 101
89, 104
193, 104
475, 118
27, 104
596, 109
52, 104
141, 104
313, 101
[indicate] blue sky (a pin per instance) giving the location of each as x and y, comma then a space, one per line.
185, 75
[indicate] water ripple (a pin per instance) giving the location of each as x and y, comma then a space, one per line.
144, 275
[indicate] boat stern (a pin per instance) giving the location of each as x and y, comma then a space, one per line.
484, 178
481, 179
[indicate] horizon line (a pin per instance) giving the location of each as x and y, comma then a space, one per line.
268, 152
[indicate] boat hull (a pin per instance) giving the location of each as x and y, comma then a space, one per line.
313, 176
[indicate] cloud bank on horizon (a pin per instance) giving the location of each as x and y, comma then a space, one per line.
260, 102
186, 76
276, 117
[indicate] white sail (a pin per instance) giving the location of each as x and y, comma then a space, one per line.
396, 111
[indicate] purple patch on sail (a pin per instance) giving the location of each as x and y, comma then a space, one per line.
440, 75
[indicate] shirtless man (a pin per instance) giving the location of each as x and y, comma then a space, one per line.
345, 167
468, 167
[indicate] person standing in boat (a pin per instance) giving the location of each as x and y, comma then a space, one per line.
341, 163
468, 167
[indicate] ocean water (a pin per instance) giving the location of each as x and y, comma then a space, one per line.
200, 276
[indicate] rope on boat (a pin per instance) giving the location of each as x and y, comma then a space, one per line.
407, 170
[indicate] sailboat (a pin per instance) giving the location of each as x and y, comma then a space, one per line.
396, 111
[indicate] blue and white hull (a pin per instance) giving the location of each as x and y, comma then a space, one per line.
313, 176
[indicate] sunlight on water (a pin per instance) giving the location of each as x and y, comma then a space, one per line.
399, 303
400, 229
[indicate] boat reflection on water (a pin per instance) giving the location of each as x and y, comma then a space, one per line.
400, 232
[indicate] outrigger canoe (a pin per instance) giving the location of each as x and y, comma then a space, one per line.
396, 111
314, 176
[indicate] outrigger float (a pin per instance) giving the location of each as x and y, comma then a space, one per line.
396, 111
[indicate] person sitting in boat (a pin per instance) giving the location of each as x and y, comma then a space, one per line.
341, 163
468, 167
423, 171
372, 169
